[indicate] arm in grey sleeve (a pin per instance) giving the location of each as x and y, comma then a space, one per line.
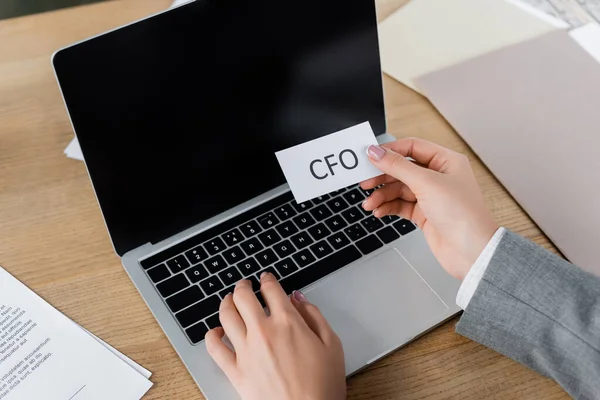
541, 311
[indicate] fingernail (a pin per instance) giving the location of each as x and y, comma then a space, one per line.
375, 152
364, 202
263, 274
298, 295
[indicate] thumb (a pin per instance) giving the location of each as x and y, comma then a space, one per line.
397, 166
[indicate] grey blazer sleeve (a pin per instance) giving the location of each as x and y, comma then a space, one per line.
541, 311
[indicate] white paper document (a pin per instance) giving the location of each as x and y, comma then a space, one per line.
328, 163
45, 355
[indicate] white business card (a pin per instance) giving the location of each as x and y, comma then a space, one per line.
328, 163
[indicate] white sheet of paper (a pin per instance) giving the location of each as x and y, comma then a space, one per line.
45, 355
141, 370
328, 163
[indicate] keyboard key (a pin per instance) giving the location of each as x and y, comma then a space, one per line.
197, 332
284, 249
226, 291
352, 215
338, 240
233, 255
214, 246
304, 220
387, 234
198, 311
388, 219
215, 264
159, 273
232, 237
302, 206
353, 196
301, 240
251, 246
185, 298
230, 276
250, 228
321, 212
286, 267
336, 223
303, 258
319, 231
269, 237
355, 232
178, 264
211, 285
196, 255
321, 199
286, 229
268, 220
367, 192
284, 212
248, 266
404, 226
196, 273
320, 269
321, 249
337, 204
172, 285
369, 244
266, 257
213, 322
371, 224
268, 269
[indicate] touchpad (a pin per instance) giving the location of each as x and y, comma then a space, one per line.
376, 306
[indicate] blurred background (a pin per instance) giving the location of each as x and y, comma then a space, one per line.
17, 8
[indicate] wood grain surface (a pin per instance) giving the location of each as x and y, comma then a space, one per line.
53, 238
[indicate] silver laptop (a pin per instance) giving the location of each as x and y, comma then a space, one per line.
179, 116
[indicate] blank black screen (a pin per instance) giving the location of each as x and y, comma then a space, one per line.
179, 115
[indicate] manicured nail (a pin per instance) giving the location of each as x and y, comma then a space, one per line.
375, 152
364, 202
263, 274
298, 295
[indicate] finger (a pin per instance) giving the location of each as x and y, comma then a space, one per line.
220, 353
232, 322
313, 317
389, 192
247, 304
429, 154
273, 293
401, 208
398, 166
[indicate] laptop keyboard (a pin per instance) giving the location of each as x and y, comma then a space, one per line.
298, 243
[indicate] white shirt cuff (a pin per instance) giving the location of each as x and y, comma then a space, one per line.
471, 281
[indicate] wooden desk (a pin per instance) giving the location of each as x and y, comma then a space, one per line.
52, 236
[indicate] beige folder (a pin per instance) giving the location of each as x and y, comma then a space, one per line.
427, 35
532, 113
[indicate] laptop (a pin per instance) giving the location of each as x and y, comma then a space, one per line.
179, 116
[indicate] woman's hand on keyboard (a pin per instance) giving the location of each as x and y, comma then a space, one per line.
291, 354
439, 194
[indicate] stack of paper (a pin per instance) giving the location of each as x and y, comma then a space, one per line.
45, 355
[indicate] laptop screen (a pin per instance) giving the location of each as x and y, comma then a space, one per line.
179, 115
